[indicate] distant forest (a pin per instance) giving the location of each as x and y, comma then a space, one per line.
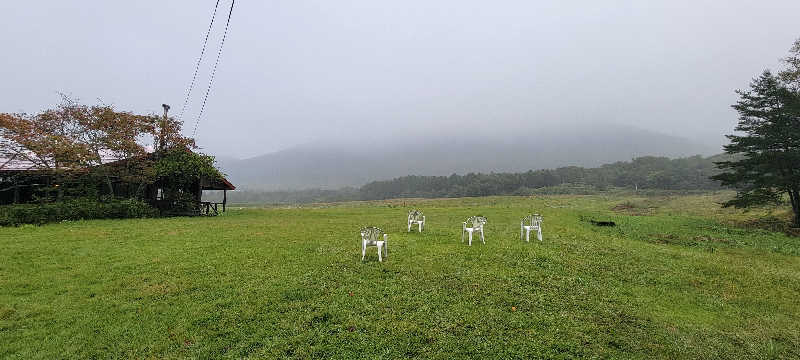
643, 173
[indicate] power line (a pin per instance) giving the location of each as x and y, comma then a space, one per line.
214, 69
199, 60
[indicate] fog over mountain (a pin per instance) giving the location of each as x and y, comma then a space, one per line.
317, 93
397, 72
333, 164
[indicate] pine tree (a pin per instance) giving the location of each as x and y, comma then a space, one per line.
767, 153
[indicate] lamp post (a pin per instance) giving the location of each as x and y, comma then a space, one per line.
163, 125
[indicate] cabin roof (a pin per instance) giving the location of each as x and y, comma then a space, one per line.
219, 184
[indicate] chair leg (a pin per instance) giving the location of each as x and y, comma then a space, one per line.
409, 227
539, 234
483, 239
363, 250
462, 234
521, 228
420, 227
470, 238
527, 235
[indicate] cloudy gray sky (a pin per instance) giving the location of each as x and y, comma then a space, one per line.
298, 71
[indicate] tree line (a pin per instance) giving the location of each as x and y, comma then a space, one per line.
643, 173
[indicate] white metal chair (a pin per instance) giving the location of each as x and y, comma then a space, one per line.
373, 236
415, 217
530, 223
473, 224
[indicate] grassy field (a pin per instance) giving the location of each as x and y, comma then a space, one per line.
675, 279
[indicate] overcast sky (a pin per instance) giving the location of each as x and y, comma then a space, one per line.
296, 71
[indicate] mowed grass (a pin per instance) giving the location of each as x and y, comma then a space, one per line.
672, 280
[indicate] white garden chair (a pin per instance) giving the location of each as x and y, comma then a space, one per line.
530, 223
373, 236
473, 224
415, 217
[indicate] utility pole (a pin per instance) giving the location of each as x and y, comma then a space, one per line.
161, 137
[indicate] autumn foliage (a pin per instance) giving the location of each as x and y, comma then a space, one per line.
69, 140
75, 136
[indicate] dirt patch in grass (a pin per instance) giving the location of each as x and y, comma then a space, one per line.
772, 223
665, 238
633, 209
6, 313
711, 239
623, 207
159, 289
672, 239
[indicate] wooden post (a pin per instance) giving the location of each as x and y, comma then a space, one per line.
224, 198
16, 194
199, 195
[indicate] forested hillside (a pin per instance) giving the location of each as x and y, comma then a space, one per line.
337, 164
643, 173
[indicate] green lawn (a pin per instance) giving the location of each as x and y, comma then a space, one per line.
674, 279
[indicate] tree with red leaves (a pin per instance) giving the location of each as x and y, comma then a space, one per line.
72, 138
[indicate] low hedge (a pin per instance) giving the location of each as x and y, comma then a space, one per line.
75, 209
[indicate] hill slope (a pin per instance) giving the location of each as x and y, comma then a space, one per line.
338, 164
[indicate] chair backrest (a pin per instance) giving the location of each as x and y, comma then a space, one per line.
476, 221
371, 233
414, 215
532, 220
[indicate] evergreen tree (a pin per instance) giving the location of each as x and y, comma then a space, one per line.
767, 153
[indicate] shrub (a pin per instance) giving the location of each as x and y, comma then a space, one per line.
74, 209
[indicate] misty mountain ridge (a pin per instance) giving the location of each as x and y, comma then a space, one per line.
340, 163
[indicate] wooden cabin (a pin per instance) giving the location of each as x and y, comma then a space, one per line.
156, 197
20, 185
